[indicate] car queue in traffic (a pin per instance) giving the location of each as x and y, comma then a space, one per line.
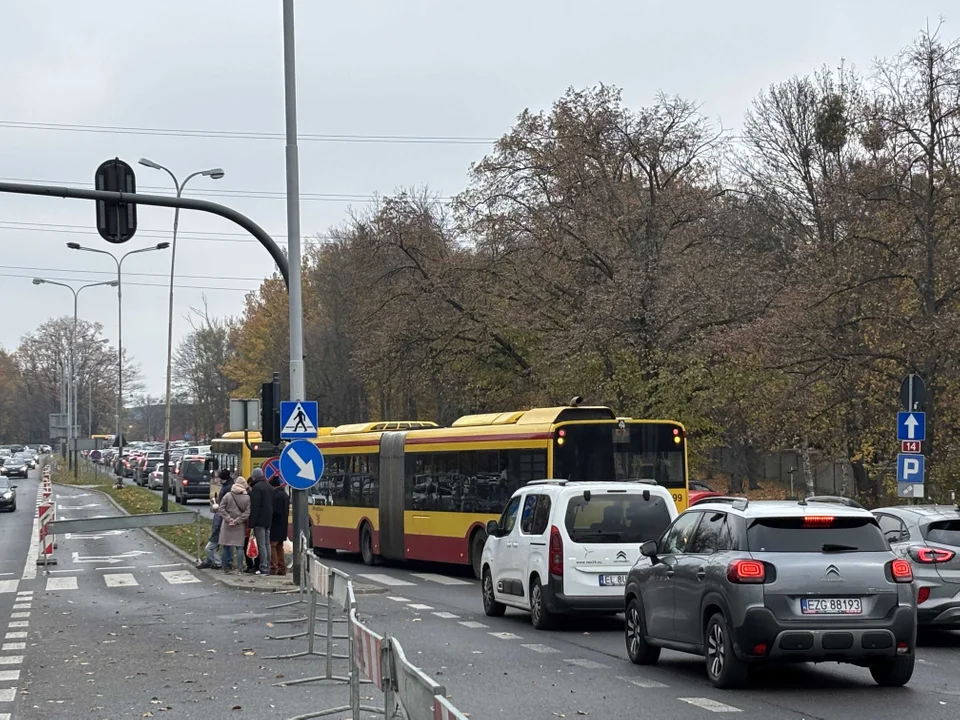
738, 582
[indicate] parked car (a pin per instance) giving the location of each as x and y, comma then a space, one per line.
566, 547
742, 582
699, 491
193, 479
928, 536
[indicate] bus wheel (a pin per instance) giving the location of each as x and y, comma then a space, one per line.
477, 541
366, 546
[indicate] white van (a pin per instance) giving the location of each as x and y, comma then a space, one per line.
564, 547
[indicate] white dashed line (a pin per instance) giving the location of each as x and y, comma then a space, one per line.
11, 659
19, 623
399, 599
545, 649
64, 583
591, 664
420, 606
642, 682
441, 579
20, 615
446, 615
505, 635
8, 694
180, 577
120, 580
387, 580
21, 606
170, 565
16, 636
13, 646
473, 624
9, 675
711, 705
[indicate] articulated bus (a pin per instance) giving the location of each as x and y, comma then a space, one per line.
416, 491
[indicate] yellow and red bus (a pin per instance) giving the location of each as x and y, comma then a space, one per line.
403, 492
232, 453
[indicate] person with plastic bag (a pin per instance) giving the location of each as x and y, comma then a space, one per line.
234, 510
261, 517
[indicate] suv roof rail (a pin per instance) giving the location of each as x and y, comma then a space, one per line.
740, 503
836, 499
546, 482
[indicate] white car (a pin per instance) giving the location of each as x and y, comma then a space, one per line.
565, 547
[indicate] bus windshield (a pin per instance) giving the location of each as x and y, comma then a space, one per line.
645, 451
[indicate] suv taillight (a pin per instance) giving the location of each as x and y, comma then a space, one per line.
929, 556
556, 552
746, 571
900, 571
186, 482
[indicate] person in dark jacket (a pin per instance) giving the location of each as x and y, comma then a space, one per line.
278, 530
261, 517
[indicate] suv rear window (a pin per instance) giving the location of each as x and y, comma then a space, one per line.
192, 469
616, 517
945, 532
778, 534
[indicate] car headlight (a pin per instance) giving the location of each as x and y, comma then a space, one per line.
8, 495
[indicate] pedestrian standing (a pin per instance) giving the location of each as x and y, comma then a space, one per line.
261, 517
278, 530
234, 509
212, 548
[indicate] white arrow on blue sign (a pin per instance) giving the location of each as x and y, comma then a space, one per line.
301, 464
910, 468
911, 426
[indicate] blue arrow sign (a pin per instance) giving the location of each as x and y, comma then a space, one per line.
298, 419
911, 426
301, 464
910, 468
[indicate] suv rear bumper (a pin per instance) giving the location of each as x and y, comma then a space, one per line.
804, 642
945, 615
559, 603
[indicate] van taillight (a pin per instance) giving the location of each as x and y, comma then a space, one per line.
556, 552
746, 571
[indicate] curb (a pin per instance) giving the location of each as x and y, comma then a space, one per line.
216, 577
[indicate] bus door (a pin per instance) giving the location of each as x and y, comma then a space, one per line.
392, 495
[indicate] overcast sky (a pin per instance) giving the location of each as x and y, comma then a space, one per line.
421, 68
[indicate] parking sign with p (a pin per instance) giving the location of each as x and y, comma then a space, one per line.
909, 468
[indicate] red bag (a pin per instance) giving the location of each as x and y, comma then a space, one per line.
252, 549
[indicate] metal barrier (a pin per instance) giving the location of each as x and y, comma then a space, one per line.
373, 659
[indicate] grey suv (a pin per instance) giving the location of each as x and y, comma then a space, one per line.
929, 537
744, 582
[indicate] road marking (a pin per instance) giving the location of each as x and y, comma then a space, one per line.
420, 606
20, 615
579, 662
73, 570
387, 580
473, 624
441, 579
8, 586
506, 636
6, 574
16, 636
13, 646
711, 705
446, 615
399, 599
545, 649
180, 577
61, 583
118, 567
22, 606
30, 568
8, 675
8, 694
154, 567
120, 580
11, 659
19, 623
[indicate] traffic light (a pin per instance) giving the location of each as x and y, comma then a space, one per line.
116, 222
270, 411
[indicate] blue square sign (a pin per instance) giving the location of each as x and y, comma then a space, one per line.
909, 468
911, 426
298, 419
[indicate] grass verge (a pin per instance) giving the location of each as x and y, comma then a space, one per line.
136, 501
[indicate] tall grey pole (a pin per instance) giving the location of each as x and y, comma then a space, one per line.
300, 521
73, 373
119, 366
165, 495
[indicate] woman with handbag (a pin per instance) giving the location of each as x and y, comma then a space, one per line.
234, 509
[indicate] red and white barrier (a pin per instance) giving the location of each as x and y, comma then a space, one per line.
366, 654
46, 511
443, 709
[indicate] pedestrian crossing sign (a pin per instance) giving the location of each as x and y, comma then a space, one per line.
298, 419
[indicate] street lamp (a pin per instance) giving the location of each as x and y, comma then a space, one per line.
119, 263
214, 174
72, 395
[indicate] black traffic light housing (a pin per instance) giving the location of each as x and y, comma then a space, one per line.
270, 411
116, 222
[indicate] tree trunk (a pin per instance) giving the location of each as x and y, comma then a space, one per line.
809, 476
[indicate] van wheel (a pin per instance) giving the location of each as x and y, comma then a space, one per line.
724, 668
539, 613
366, 546
639, 650
893, 673
477, 541
490, 605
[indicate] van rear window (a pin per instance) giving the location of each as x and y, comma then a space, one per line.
616, 517
796, 534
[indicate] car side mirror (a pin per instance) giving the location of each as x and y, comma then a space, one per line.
493, 529
649, 550
14, 487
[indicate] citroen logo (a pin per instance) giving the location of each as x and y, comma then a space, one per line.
832, 574
621, 555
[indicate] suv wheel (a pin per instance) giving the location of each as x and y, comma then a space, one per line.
638, 649
539, 613
893, 673
724, 668
490, 605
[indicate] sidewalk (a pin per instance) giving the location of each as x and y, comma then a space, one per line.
275, 583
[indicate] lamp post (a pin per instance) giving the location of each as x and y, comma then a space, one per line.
119, 264
214, 174
72, 395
